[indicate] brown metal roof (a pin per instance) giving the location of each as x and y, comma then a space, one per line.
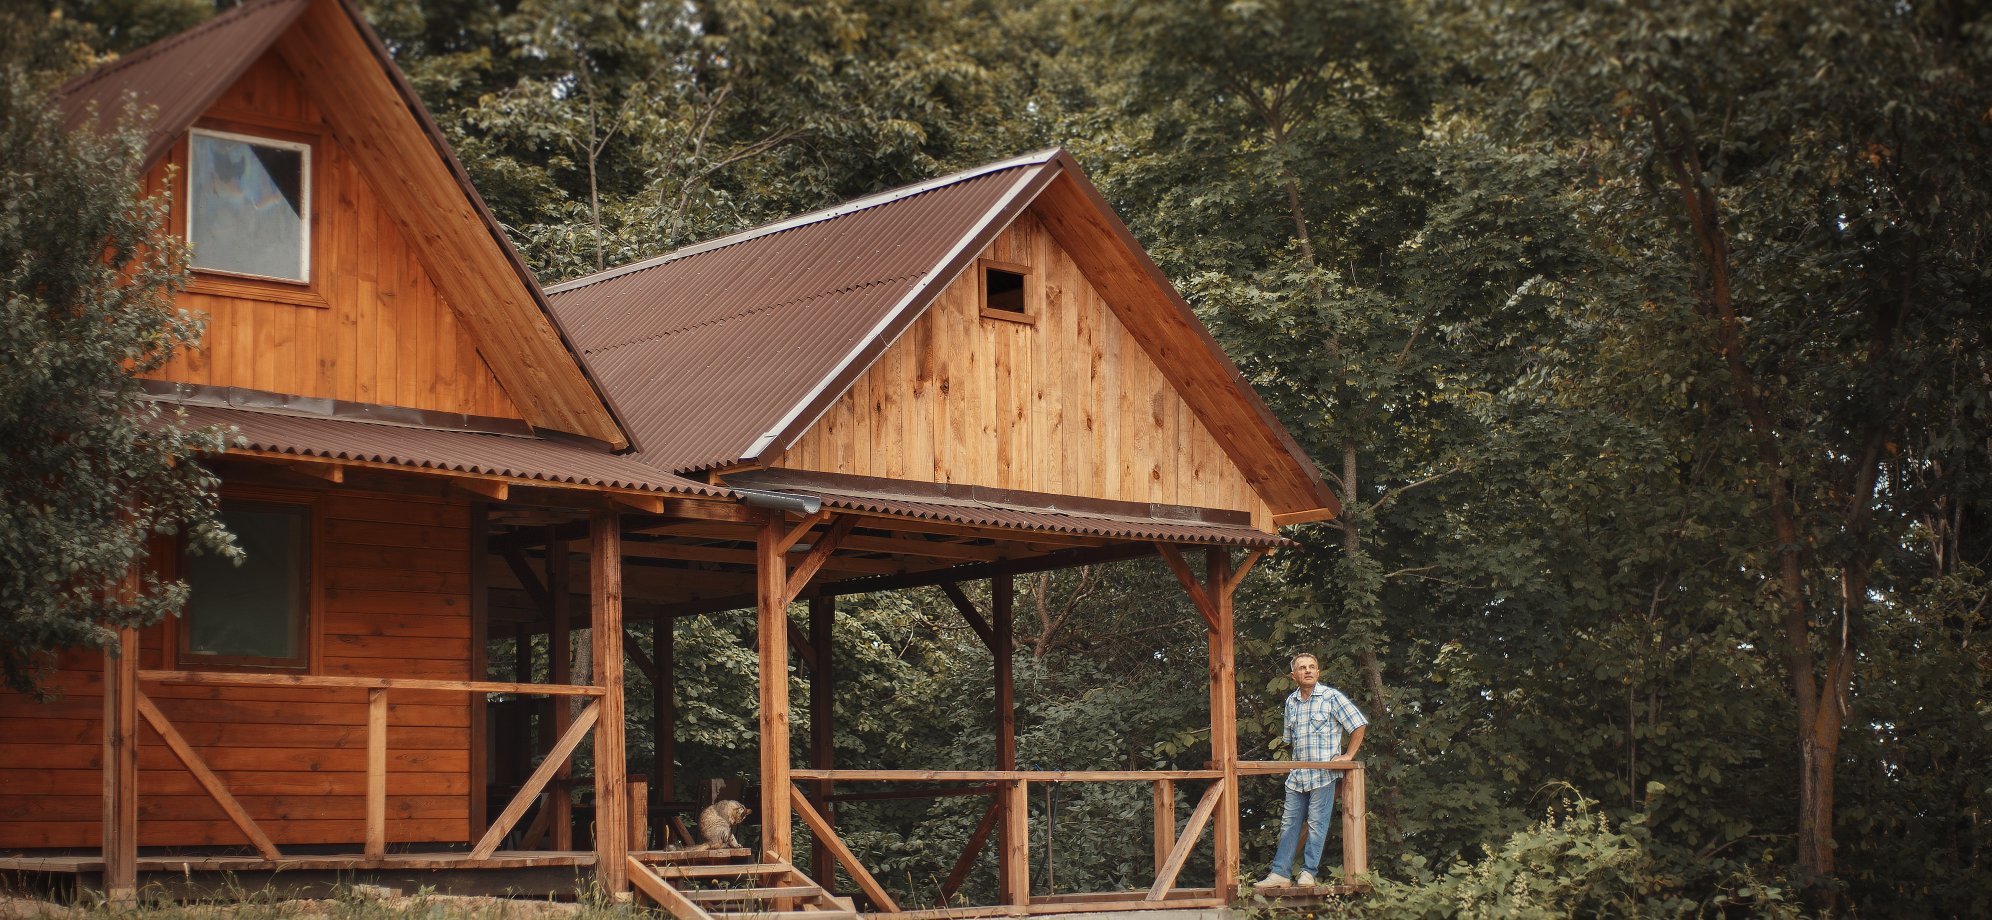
507, 456
1008, 510
711, 350
181, 75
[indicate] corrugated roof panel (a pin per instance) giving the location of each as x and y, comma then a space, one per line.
706, 352
182, 75
456, 451
1049, 520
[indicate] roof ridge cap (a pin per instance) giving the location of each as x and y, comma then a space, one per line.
153, 49
853, 206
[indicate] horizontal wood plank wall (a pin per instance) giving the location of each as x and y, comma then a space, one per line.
395, 603
1070, 404
379, 333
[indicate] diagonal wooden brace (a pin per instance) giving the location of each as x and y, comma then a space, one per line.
1199, 595
1192, 829
828, 838
199, 768
531, 790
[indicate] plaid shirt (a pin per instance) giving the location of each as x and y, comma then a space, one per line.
1314, 730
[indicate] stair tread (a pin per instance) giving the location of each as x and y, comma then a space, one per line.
751, 894
714, 871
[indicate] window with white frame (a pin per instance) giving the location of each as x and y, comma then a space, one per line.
249, 205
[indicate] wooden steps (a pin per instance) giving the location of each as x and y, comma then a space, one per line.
772, 891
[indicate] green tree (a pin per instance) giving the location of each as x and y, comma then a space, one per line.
89, 469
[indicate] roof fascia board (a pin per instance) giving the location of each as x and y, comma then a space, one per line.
805, 414
802, 220
1131, 250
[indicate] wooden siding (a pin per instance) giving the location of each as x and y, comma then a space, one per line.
1068, 404
371, 327
393, 600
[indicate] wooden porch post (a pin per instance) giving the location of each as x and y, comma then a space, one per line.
121, 770
611, 770
664, 715
1223, 717
822, 731
771, 592
480, 668
560, 670
1013, 876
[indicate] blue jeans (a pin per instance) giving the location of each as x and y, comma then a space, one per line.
1316, 804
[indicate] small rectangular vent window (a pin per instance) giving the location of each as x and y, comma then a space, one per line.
1007, 291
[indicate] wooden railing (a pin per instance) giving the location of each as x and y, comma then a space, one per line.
378, 688
1354, 796
1010, 810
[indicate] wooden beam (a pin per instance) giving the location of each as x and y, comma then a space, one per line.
376, 842
637, 501
120, 790
800, 530
969, 613
199, 768
329, 472
687, 552
772, 579
562, 749
799, 643
1244, 568
1165, 823
1192, 829
827, 838
496, 490
1177, 564
822, 728
969, 853
1223, 717
813, 561
635, 653
1004, 776
611, 763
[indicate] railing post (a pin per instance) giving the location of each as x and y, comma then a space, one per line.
121, 770
376, 845
639, 814
1223, 718
1017, 844
1165, 822
1355, 824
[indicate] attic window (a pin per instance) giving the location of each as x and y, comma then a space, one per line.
1007, 291
249, 205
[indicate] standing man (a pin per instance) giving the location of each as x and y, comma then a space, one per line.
1317, 717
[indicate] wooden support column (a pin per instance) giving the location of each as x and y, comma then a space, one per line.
1002, 603
121, 770
605, 609
664, 715
1016, 858
480, 648
560, 670
518, 756
771, 591
822, 732
1218, 586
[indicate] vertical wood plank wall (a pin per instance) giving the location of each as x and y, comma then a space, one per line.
380, 333
395, 602
1070, 404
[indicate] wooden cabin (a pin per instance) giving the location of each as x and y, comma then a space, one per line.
966, 379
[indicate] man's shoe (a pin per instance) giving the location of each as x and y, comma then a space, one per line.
1273, 880
1306, 880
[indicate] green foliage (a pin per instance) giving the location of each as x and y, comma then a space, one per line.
89, 470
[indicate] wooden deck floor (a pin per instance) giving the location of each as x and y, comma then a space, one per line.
522, 859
